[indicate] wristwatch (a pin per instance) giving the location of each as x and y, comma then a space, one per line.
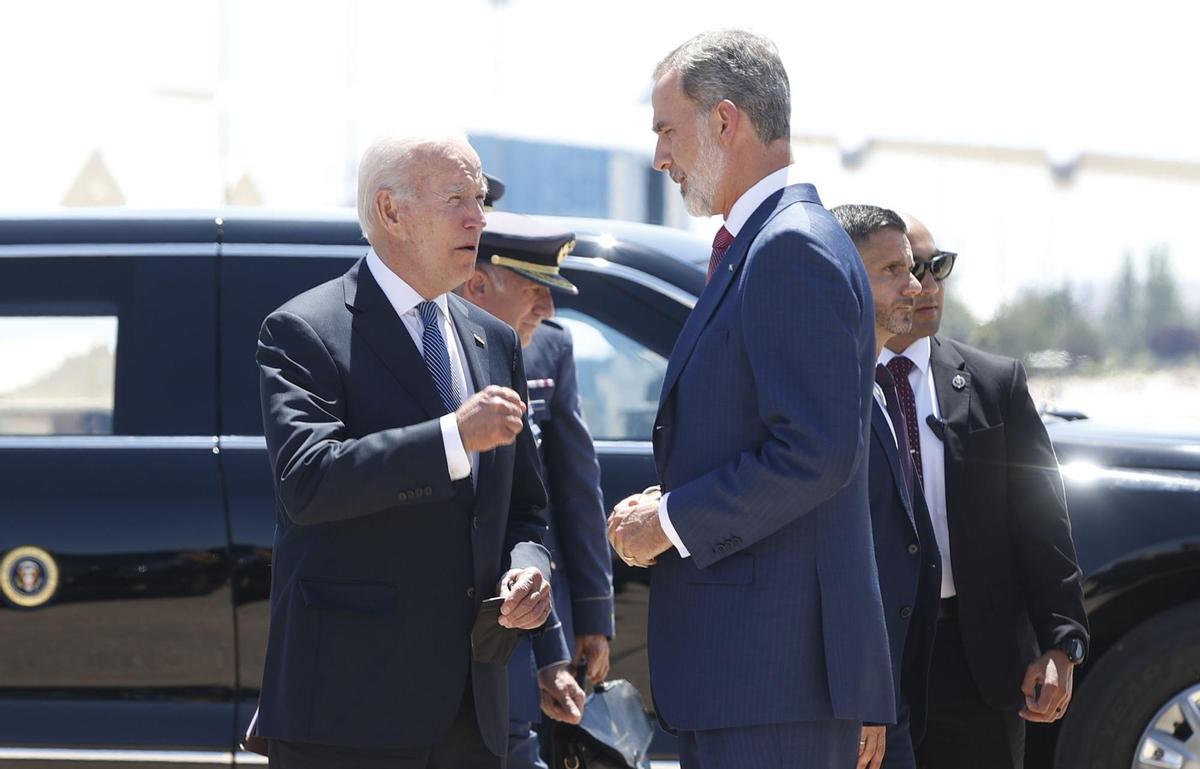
1073, 648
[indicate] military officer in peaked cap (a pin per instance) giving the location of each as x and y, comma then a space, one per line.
516, 273
495, 191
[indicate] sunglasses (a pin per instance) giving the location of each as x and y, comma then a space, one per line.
940, 264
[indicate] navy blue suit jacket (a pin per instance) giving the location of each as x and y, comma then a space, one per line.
910, 572
761, 441
380, 560
578, 542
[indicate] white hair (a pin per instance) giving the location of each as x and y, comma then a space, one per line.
386, 165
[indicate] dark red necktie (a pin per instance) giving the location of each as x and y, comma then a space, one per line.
900, 367
887, 383
721, 243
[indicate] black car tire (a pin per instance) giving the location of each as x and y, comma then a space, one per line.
1134, 679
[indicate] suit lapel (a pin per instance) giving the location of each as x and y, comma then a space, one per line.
952, 383
716, 289
883, 434
471, 339
376, 321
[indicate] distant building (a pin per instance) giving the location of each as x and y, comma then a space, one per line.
568, 180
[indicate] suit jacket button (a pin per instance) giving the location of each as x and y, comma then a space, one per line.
470, 592
906, 612
404, 496
428, 491
913, 549
475, 522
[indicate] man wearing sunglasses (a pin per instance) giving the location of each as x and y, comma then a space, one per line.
1011, 622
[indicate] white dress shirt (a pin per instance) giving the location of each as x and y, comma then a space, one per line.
933, 453
739, 214
404, 300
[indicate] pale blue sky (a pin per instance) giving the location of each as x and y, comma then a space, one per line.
182, 97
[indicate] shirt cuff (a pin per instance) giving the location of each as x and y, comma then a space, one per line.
665, 521
457, 461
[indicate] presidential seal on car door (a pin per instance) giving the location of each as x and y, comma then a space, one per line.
30, 576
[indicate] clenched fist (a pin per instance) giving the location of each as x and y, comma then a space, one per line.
491, 417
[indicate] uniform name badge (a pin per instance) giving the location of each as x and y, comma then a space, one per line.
540, 393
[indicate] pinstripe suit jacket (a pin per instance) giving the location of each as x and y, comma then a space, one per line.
762, 441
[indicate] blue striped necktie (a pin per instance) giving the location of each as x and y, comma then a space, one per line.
437, 359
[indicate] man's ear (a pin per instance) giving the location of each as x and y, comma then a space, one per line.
387, 211
477, 284
730, 120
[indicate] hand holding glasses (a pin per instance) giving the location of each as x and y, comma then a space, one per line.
940, 264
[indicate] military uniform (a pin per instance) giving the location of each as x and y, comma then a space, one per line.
581, 563
581, 568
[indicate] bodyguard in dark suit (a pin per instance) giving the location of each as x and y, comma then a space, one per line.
408, 490
768, 646
1012, 623
905, 548
514, 277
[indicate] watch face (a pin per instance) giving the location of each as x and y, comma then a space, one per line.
1074, 650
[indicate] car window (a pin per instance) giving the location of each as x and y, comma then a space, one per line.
251, 288
59, 374
619, 378
108, 344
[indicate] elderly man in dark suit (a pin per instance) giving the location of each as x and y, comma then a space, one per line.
408, 489
1012, 624
905, 547
517, 270
768, 646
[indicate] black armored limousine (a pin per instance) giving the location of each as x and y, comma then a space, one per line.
136, 509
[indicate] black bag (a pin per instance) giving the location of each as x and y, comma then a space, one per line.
615, 732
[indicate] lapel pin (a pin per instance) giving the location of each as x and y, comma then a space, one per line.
479, 340
958, 382
731, 268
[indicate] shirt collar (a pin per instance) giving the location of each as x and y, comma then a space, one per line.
403, 297
752, 198
918, 352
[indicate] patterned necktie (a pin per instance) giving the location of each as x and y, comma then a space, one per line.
900, 367
887, 383
437, 359
721, 243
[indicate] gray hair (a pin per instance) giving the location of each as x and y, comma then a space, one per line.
386, 165
862, 221
739, 66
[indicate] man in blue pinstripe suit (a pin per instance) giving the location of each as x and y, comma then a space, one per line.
767, 639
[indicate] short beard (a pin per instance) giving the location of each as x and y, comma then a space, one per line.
895, 320
705, 173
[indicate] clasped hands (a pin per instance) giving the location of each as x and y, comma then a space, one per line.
634, 529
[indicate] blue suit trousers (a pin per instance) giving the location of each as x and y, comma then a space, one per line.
809, 744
